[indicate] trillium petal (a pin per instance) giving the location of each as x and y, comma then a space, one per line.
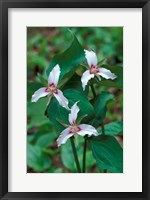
86, 76
63, 101
54, 75
105, 73
87, 130
42, 92
64, 136
91, 57
74, 112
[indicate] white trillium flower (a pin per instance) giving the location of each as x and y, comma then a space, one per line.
94, 70
82, 129
51, 89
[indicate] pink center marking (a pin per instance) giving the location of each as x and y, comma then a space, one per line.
52, 88
74, 129
47, 90
93, 69
55, 91
51, 85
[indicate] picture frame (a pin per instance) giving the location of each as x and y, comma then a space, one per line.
4, 6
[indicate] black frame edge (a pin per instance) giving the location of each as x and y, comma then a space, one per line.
4, 194
1, 182
4, 101
145, 97
74, 3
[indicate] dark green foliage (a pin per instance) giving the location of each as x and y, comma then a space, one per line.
107, 152
55, 111
50, 46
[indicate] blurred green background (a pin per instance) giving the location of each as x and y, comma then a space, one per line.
42, 44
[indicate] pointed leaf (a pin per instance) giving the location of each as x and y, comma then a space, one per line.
69, 59
113, 128
57, 111
100, 107
107, 153
45, 140
36, 159
36, 112
31, 88
75, 83
62, 123
43, 81
79, 120
118, 82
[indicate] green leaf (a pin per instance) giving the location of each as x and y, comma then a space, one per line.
69, 59
100, 108
31, 88
58, 170
101, 62
68, 157
36, 112
50, 152
66, 78
45, 140
41, 131
30, 138
75, 83
53, 169
62, 123
79, 120
55, 111
36, 159
43, 81
33, 41
36, 59
113, 128
90, 161
118, 82
107, 153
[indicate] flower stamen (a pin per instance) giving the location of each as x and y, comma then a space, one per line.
52, 88
47, 90
93, 69
74, 129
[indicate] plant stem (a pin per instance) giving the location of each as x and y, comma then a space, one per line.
75, 154
103, 133
84, 66
84, 154
93, 90
103, 130
102, 125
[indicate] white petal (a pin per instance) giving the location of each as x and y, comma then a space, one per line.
91, 57
87, 130
64, 136
105, 73
86, 76
63, 101
54, 75
39, 93
74, 112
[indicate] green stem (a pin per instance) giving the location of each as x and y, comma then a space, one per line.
84, 154
75, 154
84, 66
93, 90
103, 130
94, 94
102, 125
